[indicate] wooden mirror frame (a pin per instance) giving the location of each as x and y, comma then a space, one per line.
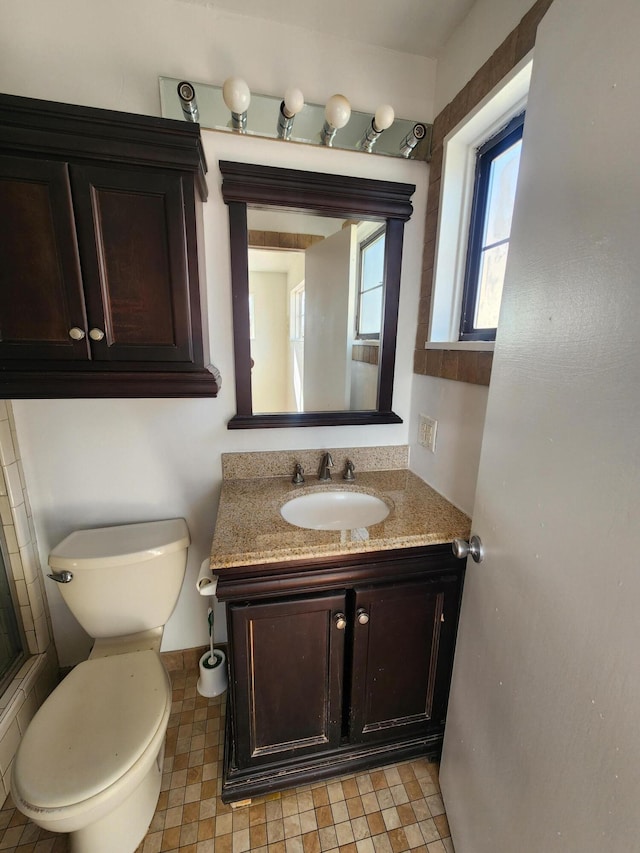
267, 187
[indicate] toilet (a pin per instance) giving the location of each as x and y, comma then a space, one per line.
90, 762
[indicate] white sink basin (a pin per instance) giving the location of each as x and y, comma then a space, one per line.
334, 510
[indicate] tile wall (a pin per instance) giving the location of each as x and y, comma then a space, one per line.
39, 673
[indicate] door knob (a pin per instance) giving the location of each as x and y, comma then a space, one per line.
76, 334
463, 549
362, 616
96, 334
340, 620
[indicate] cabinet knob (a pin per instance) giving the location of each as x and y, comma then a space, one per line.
96, 334
362, 616
76, 334
341, 621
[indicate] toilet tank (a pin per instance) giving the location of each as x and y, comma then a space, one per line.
125, 578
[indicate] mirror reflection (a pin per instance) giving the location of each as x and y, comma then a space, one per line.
316, 299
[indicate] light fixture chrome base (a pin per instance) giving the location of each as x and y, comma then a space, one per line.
187, 97
412, 138
239, 121
285, 123
369, 138
327, 134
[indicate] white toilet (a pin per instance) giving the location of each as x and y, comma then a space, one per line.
90, 762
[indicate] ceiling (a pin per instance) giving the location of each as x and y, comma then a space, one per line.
419, 27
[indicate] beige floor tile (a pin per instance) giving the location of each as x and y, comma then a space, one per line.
308, 821
339, 811
395, 809
344, 833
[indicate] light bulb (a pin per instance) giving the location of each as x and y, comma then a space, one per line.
236, 95
337, 112
293, 102
383, 118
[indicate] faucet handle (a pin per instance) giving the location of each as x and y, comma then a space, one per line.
298, 471
349, 468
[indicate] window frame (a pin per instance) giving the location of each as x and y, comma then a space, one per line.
362, 248
487, 153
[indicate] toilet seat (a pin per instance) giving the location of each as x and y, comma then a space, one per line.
92, 730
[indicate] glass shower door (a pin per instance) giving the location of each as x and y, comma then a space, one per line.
11, 645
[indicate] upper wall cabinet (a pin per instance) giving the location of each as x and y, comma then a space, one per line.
99, 273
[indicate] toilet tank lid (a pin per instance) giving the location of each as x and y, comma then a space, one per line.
107, 547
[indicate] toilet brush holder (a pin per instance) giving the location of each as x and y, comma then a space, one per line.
213, 673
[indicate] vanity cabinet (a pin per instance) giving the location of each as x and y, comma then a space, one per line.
99, 268
337, 665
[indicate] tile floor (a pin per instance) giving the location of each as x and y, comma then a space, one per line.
391, 810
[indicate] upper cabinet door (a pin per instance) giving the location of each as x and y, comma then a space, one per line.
131, 231
42, 313
402, 653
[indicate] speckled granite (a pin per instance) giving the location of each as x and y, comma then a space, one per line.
281, 463
250, 529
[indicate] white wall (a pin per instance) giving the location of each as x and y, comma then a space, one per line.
459, 409
111, 54
92, 462
270, 345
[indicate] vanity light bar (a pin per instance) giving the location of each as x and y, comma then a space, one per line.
234, 108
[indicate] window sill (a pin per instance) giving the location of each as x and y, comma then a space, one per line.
469, 346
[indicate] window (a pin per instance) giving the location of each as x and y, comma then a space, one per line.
370, 286
296, 313
496, 176
460, 157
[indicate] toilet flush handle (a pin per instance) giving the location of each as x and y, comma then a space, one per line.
61, 577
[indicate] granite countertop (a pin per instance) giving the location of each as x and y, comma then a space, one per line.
250, 530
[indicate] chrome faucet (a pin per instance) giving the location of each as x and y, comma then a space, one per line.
325, 463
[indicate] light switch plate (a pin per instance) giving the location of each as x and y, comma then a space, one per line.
427, 432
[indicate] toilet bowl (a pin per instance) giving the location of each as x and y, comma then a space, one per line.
90, 762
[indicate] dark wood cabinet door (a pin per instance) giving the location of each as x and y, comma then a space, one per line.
402, 658
287, 671
41, 297
133, 248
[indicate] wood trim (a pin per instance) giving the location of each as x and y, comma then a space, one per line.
334, 195
241, 784
282, 240
304, 576
309, 419
238, 239
47, 128
30, 385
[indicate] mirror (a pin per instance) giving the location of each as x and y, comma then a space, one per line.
315, 311
315, 278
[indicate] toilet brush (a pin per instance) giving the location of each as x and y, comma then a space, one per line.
213, 672
214, 656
